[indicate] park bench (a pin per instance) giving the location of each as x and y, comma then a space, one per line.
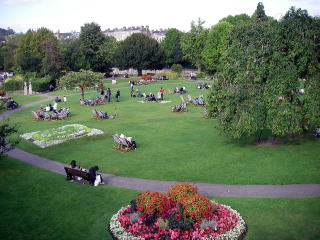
72, 172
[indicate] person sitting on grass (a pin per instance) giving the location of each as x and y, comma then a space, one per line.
318, 132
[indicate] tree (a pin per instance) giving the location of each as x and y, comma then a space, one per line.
259, 14
91, 39
171, 46
215, 46
106, 54
72, 54
52, 63
82, 79
140, 52
193, 42
237, 19
263, 85
6, 143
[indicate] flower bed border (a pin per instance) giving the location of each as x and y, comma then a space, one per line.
241, 227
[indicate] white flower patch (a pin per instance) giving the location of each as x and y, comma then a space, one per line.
62, 134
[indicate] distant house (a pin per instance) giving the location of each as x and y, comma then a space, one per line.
72, 34
121, 33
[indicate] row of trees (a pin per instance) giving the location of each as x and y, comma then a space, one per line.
268, 76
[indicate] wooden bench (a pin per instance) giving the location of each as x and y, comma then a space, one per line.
72, 172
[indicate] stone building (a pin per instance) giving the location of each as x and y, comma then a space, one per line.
121, 33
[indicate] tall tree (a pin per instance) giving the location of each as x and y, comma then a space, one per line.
73, 57
215, 46
259, 14
52, 63
262, 84
91, 39
171, 46
82, 79
193, 43
140, 52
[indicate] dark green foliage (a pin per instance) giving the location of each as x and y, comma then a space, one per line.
177, 68
259, 14
41, 84
92, 43
52, 63
193, 42
6, 144
139, 52
73, 57
171, 46
261, 85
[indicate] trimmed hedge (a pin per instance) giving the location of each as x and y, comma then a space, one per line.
40, 84
14, 83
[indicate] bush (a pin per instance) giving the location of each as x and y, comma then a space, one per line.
177, 68
201, 74
182, 190
197, 207
41, 84
153, 203
170, 75
14, 83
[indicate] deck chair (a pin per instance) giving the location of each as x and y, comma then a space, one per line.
124, 145
35, 116
46, 116
94, 113
117, 143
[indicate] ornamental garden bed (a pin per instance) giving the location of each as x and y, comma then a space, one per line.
182, 213
58, 135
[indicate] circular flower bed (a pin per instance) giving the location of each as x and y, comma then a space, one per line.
181, 214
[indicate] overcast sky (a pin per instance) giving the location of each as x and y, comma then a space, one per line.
67, 15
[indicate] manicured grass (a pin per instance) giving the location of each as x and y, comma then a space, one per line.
173, 146
22, 100
37, 204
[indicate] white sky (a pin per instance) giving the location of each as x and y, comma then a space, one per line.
67, 15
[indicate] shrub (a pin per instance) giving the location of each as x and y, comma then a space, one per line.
40, 84
200, 74
153, 203
197, 207
170, 75
178, 191
177, 68
14, 83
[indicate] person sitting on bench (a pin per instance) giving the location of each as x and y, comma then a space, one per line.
96, 178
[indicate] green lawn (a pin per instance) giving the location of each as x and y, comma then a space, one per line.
37, 204
173, 146
22, 100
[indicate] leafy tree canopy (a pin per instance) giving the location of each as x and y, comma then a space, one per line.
171, 46
193, 43
82, 79
140, 52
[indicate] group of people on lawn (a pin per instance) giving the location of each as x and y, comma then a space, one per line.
108, 94
52, 112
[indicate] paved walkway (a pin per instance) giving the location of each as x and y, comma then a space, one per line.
218, 190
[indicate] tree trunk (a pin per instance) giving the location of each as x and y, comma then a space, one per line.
139, 72
82, 92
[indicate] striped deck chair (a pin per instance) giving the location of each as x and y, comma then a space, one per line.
35, 116
124, 145
94, 113
117, 143
46, 116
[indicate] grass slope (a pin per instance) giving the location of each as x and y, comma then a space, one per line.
37, 204
173, 146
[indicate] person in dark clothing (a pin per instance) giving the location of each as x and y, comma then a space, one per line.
95, 179
118, 95
109, 94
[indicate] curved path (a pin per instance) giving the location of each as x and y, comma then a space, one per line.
218, 190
